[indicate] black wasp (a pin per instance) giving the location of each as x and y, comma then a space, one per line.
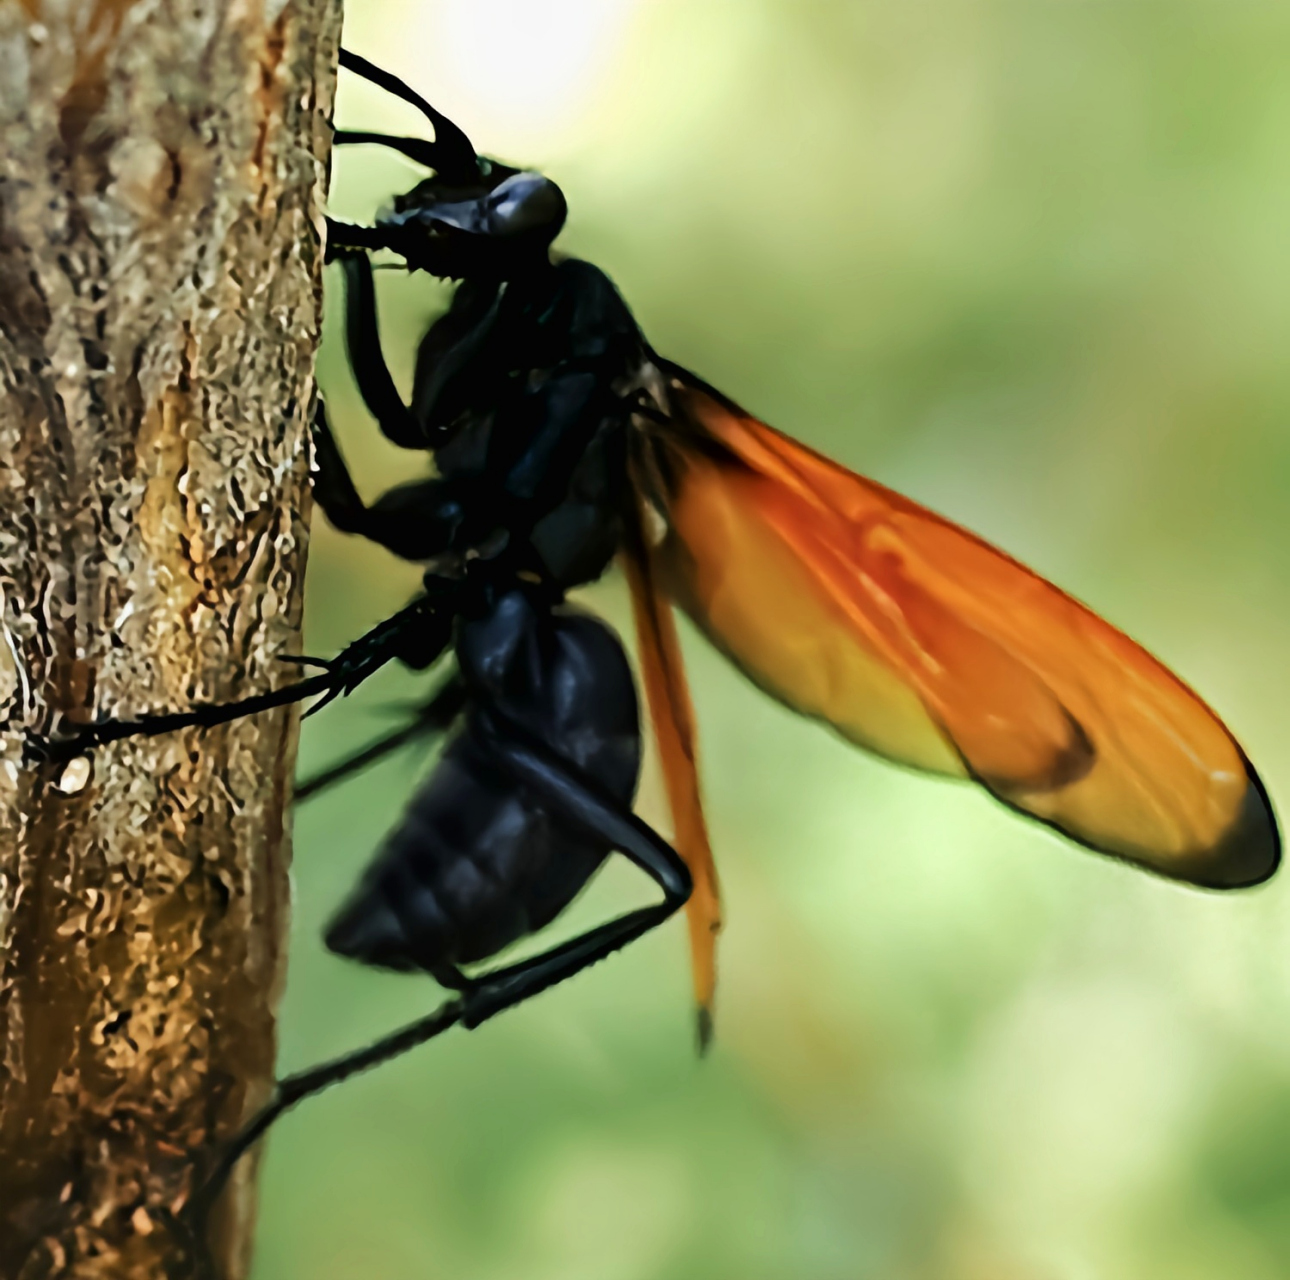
522, 391
561, 440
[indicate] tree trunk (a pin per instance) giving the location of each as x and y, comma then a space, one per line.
162, 164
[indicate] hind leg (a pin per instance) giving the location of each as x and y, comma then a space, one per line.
581, 805
437, 714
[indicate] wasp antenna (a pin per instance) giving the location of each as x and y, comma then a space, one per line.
418, 150
455, 156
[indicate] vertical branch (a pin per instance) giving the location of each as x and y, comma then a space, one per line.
161, 171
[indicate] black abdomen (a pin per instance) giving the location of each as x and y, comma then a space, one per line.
477, 862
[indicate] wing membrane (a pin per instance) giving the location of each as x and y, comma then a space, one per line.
921, 642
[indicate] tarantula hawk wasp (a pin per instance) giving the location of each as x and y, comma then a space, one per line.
562, 440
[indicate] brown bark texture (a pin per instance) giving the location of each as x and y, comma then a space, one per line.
162, 167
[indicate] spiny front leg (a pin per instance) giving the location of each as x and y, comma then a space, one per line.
367, 357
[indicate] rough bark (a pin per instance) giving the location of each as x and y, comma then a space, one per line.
162, 164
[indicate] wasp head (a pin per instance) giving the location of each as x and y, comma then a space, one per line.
498, 223
475, 218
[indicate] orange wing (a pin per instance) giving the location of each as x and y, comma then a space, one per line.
923, 643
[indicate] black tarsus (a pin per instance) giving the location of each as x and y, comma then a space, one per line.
203, 715
453, 156
343, 674
304, 1084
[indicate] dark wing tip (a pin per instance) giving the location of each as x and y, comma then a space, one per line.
704, 1029
1250, 850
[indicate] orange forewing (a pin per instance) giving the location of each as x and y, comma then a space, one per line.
923, 643
672, 717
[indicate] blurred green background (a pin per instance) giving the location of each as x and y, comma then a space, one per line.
1028, 262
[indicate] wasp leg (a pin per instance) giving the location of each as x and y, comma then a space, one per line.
398, 530
579, 803
416, 521
293, 1089
367, 359
437, 714
332, 484
347, 238
457, 364
422, 619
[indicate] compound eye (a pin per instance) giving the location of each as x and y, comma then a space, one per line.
526, 203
